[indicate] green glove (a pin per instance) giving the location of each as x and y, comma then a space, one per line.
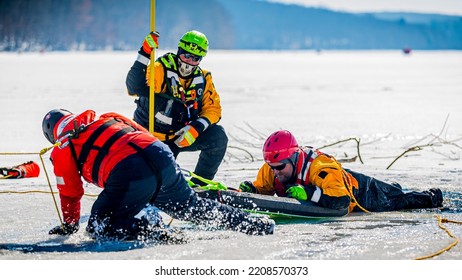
297, 192
248, 187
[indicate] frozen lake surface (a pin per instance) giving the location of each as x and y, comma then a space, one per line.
388, 100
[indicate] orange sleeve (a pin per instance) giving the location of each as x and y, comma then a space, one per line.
327, 174
158, 78
211, 106
264, 183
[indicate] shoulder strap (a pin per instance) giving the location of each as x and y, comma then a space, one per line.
104, 150
89, 144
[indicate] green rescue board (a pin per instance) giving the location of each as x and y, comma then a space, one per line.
275, 207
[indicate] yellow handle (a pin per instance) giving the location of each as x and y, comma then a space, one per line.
152, 84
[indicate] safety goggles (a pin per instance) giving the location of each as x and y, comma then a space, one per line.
193, 57
278, 167
189, 58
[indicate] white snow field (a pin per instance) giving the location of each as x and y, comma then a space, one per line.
387, 100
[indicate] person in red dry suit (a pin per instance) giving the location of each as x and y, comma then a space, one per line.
135, 170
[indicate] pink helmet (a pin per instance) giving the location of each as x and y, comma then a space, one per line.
279, 146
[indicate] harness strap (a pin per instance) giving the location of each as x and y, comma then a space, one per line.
302, 176
104, 150
89, 144
74, 155
306, 165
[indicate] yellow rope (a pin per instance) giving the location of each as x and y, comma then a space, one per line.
440, 221
45, 150
456, 240
359, 205
42, 152
18, 153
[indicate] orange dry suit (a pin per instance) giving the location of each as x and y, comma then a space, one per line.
178, 101
328, 184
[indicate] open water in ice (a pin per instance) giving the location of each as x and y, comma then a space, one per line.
388, 100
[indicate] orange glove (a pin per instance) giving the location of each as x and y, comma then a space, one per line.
151, 41
187, 136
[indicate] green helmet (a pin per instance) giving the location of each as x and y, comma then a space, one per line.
194, 42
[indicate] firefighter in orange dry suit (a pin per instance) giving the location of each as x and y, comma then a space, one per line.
187, 105
308, 174
136, 172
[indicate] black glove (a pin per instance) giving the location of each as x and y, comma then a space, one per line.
65, 229
248, 187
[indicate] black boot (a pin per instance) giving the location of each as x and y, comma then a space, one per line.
436, 197
432, 198
257, 226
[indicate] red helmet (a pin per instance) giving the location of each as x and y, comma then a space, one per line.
279, 146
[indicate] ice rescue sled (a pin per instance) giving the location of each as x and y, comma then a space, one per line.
276, 207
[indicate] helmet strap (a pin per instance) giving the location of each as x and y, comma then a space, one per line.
74, 133
77, 129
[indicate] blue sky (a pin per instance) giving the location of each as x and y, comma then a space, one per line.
450, 7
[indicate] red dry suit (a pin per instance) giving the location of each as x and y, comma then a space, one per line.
92, 155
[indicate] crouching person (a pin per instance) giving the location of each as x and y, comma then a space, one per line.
136, 172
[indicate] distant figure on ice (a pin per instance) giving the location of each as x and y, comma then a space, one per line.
308, 174
187, 106
28, 169
135, 171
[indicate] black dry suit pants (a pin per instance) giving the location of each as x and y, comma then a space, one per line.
132, 186
212, 144
378, 196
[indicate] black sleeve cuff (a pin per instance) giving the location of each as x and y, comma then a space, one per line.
309, 191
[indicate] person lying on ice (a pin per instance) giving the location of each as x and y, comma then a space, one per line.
136, 171
308, 174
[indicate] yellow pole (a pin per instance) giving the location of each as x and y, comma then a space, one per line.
151, 65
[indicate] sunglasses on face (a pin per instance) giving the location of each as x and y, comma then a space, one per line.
279, 167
